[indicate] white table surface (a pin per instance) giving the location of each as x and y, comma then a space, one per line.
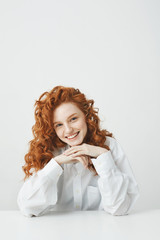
82, 225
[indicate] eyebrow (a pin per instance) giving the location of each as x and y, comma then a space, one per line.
67, 118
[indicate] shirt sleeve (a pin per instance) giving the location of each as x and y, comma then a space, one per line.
117, 184
39, 191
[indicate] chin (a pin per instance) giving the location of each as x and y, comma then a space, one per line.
75, 143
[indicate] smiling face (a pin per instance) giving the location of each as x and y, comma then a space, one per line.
69, 124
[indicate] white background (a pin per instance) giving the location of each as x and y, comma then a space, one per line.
110, 51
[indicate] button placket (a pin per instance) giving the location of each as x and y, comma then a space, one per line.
77, 192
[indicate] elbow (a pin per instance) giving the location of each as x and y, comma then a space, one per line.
119, 213
115, 212
118, 209
31, 211
35, 204
32, 207
25, 209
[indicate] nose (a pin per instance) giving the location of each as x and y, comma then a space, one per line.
68, 129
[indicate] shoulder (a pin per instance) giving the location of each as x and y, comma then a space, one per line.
111, 142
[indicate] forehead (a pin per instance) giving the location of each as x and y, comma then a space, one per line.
64, 111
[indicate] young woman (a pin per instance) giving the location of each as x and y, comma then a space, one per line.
72, 164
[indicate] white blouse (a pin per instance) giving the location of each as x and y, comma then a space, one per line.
72, 187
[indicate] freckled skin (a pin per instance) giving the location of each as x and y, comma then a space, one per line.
68, 124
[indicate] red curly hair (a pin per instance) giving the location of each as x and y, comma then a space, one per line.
41, 148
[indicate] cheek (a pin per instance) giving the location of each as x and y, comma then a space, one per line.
83, 125
58, 133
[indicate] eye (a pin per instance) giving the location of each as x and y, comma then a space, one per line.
74, 118
58, 125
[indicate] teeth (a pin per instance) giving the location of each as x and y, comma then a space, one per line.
73, 136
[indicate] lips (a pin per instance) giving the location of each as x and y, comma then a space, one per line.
72, 136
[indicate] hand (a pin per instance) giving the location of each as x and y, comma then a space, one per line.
85, 160
62, 158
85, 149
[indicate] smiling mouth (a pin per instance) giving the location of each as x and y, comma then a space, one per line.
73, 136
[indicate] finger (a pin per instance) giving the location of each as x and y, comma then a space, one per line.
72, 149
84, 158
89, 160
85, 161
80, 159
73, 152
74, 161
77, 154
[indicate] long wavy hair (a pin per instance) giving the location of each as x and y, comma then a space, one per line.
45, 141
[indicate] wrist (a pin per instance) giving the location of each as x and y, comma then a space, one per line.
102, 150
57, 159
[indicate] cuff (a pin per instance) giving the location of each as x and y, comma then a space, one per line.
52, 170
104, 163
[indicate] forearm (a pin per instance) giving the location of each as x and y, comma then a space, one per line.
118, 189
59, 159
40, 190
